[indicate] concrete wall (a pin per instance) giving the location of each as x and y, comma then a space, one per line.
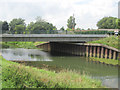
44, 46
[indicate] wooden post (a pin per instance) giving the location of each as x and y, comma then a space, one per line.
94, 51
87, 48
77, 53
43, 46
98, 51
80, 50
114, 55
106, 50
102, 49
119, 56
76, 50
72, 49
83, 50
110, 54
90, 51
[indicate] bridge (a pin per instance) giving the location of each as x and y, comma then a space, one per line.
50, 37
67, 44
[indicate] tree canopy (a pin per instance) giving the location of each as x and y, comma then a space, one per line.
71, 22
40, 26
16, 23
108, 23
18, 26
5, 27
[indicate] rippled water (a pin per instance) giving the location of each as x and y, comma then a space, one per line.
108, 74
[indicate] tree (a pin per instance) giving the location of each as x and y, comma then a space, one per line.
19, 29
78, 28
30, 27
5, 27
88, 29
1, 27
15, 22
71, 22
118, 23
69, 29
40, 26
107, 23
62, 28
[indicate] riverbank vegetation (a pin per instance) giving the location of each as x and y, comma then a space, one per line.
106, 61
27, 45
16, 75
111, 41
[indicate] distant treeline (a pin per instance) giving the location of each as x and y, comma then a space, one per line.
18, 26
40, 26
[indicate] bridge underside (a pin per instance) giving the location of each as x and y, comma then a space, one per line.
81, 49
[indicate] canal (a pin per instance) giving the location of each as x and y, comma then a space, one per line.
55, 61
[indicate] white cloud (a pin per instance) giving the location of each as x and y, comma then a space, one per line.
87, 12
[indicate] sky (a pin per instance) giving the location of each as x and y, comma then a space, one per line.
86, 12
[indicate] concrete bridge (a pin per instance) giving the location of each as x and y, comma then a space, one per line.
51, 37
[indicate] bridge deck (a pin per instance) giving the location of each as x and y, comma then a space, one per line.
51, 37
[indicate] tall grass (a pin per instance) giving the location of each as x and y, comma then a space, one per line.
15, 75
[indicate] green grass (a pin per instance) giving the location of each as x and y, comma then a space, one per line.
16, 75
0, 74
110, 41
106, 61
28, 45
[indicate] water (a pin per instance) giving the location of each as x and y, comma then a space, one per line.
108, 74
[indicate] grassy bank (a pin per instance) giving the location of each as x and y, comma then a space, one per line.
16, 75
0, 74
110, 41
27, 45
106, 61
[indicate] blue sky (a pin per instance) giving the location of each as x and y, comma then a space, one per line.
87, 12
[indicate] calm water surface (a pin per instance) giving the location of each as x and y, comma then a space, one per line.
108, 74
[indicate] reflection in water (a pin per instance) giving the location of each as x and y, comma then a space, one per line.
107, 73
24, 55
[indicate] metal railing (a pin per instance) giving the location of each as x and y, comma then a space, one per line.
64, 32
